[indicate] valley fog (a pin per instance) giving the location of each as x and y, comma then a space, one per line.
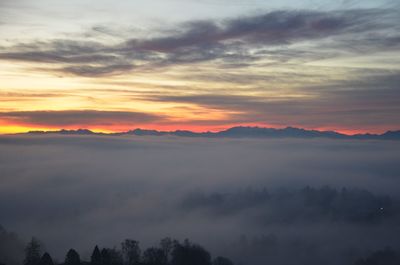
253, 200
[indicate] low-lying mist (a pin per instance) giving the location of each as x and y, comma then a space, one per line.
277, 201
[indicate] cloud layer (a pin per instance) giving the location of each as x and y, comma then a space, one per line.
246, 199
245, 39
78, 117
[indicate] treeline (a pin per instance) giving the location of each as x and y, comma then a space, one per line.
387, 256
168, 252
325, 204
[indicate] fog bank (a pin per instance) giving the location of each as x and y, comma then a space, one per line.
271, 200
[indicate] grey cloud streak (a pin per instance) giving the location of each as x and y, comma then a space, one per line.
78, 117
230, 40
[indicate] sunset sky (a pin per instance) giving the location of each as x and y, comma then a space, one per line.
199, 64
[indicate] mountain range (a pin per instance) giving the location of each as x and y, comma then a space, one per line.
238, 132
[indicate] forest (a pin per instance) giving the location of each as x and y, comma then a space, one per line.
168, 252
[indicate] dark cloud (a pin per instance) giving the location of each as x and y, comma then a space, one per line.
274, 28
78, 117
53, 57
230, 41
78, 58
86, 70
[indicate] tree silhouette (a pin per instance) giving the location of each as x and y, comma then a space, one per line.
222, 261
105, 257
168, 252
115, 256
131, 252
382, 257
46, 259
188, 253
95, 259
32, 252
11, 248
154, 256
166, 245
72, 258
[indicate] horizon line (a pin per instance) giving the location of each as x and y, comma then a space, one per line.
94, 131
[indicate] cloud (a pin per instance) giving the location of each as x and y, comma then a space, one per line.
78, 117
274, 28
233, 41
92, 71
368, 99
28, 96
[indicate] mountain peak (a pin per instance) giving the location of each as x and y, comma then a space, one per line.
238, 132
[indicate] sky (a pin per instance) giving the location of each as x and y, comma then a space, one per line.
199, 65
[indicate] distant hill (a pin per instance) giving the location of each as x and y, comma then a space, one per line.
238, 132
67, 132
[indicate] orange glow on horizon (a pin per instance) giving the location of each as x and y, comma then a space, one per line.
24, 128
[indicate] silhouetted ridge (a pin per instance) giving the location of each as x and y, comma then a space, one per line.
66, 132
272, 132
142, 132
392, 135
238, 132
